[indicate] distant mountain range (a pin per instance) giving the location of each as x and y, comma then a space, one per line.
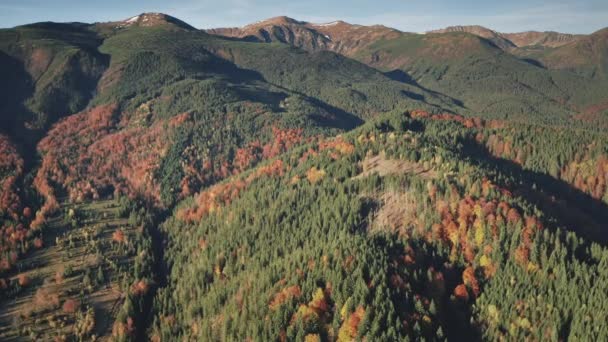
313, 36
471, 63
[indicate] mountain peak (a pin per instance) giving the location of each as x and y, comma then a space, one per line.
333, 23
280, 20
338, 36
479, 31
601, 32
513, 40
473, 29
151, 19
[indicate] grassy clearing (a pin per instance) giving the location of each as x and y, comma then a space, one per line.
75, 281
383, 167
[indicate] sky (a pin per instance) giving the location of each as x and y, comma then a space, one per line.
582, 16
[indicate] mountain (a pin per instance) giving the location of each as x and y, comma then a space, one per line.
51, 70
510, 41
338, 36
587, 56
479, 67
297, 181
149, 20
391, 219
549, 39
493, 36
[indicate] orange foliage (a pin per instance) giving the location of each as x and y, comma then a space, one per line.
283, 141
460, 292
122, 330
337, 144
469, 279
70, 306
118, 236
513, 216
349, 329
314, 175
27, 212
11, 168
46, 298
467, 225
23, 280
14, 233
222, 194
140, 288
522, 255
284, 295
89, 154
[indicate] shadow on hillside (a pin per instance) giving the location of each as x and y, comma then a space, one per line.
576, 210
341, 119
403, 77
534, 62
454, 314
16, 85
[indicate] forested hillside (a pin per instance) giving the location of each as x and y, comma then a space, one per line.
404, 228
542, 76
159, 182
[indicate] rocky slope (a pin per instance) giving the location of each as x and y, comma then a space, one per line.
508, 41
587, 56
547, 39
337, 36
493, 36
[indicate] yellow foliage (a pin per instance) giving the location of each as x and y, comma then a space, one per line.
344, 335
305, 312
532, 267
453, 236
478, 210
479, 234
314, 175
485, 261
344, 310
348, 330
524, 323
218, 270
512, 329
319, 295
312, 338
493, 313
345, 148
325, 260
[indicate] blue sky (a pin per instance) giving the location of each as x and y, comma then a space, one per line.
583, 16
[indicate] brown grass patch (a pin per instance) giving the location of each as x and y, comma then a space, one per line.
382, 166
396, 213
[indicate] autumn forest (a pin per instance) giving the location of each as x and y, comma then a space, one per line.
289, 181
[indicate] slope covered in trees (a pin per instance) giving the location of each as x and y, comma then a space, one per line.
293, 254
161, 107
50, 71
547, 76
